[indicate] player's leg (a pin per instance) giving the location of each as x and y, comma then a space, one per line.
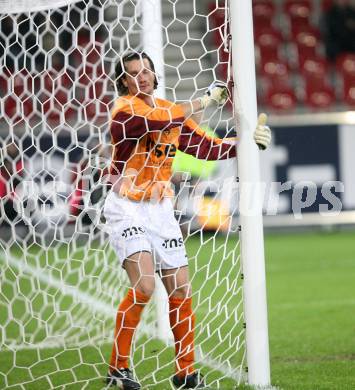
140, 271
181, 316
171, 262
133, 249
182, 322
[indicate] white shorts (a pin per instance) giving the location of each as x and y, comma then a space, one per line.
145, 226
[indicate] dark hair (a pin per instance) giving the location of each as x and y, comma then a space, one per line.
120, 69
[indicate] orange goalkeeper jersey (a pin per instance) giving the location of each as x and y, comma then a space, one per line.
145, 141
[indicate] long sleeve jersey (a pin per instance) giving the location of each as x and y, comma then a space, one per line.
145, 141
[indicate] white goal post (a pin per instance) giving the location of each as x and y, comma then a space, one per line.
152, 37
252, 241
60, 281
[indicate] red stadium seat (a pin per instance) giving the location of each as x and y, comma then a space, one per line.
307, 42
268, 40
299, 12
306, 29
94, 62
314, 67
19, 103
318, 93
56, 100
218, 37
345, 64
349, 91
298, 8
263, 12
97, 105
216, 15
217, 21
4, 87
91, 82
279, 92
281, 98
275, 70
5, 90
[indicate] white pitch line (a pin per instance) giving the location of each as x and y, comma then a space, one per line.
77, 295
97, 305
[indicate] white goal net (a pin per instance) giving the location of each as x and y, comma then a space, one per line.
60, 280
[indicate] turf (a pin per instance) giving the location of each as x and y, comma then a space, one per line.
311, 310
311, 301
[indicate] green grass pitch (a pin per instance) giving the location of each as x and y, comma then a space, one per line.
311, 301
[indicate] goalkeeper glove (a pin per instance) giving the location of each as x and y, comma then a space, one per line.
262, 134
216, 93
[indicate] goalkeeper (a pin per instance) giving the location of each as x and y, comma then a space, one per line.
146, 132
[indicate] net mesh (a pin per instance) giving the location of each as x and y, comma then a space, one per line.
60, 280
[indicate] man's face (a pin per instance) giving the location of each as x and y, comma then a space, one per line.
139, 78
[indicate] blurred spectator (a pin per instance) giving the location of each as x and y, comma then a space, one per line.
11, 170
88, 181
339, 28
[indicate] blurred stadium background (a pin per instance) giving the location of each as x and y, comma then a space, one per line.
56, 95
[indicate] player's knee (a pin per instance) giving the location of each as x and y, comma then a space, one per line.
146, 286
182, 292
